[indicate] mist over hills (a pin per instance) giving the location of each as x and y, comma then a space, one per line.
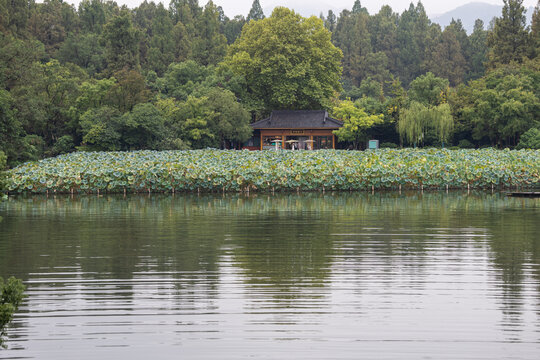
468, 14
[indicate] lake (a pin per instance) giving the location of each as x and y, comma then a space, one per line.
311, 276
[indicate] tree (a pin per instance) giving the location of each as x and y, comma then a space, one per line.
44, 97
353, 38
3, 162
256, 12
330, 21
535, 32
181, 79
182, 41
83, 50
12, 144
101, 129
428, 90
288, 61
51, 22
209, 45
121, 41
231, 122
143, 127
92, 16
185, 12
447, 58
355, 122
193, 117
16, 57
158, 46
509, 40
14, 16
11, 296
418, 119
478, 41
358, 8
383, 28
129, 91
530, 139
233, 28
412, 40
500, 107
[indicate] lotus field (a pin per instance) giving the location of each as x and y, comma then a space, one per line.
222, 170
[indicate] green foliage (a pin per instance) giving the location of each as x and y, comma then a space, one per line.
465, 144
121, 40
418, 119
412, 35
209, 45
478, 51
353, 37
256, 12
58, 64
288, 61
428, 90
509, 40
63, 145
51, 21
101, 129
83, 50
233, 28
11, 296
16, 59
182, 79
14, 16
3, 161
92, 15
501, 106
44, 98
388, 145
231, 121
143, 127
447, 57
219, 170
129, 91
355, 122
530, 139
12, 142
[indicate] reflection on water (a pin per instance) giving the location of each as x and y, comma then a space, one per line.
336, 276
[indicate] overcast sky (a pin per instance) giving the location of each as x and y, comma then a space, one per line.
241, 7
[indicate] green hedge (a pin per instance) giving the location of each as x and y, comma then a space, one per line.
217, 170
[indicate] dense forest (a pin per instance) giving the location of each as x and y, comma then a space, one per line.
106, 77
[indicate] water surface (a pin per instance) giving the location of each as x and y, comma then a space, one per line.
334, 276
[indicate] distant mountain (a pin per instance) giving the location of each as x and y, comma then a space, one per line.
468, 14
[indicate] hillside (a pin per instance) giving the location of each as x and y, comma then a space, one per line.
470, 12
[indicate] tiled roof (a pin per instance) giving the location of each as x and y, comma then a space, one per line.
298, 119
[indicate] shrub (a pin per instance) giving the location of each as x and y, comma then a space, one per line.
530, 139
465, 144
11, 296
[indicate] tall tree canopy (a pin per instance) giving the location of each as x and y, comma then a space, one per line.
288, 61
121, 40
256, 12
509, 40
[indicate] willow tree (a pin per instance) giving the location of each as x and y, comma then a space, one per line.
416, 120
443, 122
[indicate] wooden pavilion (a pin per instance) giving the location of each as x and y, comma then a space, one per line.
299, 130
